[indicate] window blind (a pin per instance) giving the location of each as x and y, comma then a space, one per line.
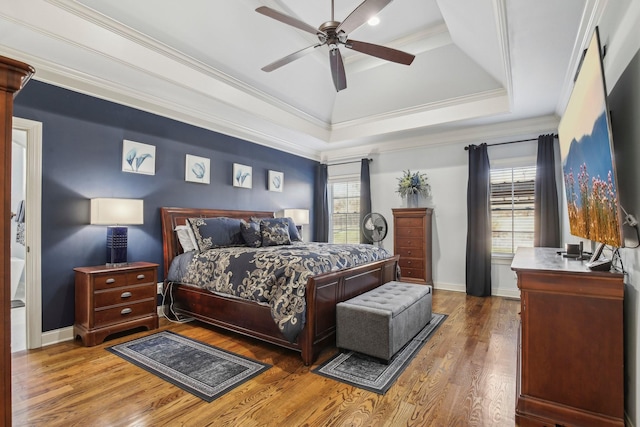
512, 208
345, 212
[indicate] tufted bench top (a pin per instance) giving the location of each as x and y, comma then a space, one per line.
394, 297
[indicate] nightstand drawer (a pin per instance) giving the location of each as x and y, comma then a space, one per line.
123, 313
126, 295
141, 276
110, 280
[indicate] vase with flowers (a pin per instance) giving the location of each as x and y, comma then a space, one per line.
413, 185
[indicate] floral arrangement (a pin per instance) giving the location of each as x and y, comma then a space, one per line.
413, 183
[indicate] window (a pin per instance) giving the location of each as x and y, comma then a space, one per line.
345, 211
512, 209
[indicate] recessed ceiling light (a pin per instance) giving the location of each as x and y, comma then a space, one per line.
374, 21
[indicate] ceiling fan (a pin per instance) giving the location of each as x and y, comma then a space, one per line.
333, 34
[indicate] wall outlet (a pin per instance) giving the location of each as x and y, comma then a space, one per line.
160, 288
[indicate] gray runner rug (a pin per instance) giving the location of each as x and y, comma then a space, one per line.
201, 369
371, 373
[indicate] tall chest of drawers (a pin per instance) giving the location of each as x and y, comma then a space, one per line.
110, 300
412, 241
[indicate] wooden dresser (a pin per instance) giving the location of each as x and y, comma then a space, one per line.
110, 300
412, 241
570, 349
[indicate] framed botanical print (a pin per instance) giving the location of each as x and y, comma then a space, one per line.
138, 157
242, 176
276, 181
197, 169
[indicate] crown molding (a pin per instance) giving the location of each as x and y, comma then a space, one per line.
66, 78
151, 44
500, 12
491, 133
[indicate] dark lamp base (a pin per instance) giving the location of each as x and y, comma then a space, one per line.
116, 246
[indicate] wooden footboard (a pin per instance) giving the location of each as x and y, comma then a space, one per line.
252, 319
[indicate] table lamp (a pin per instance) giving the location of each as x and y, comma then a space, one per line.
116, 213
299, 216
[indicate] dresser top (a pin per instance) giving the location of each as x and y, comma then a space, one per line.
550, 259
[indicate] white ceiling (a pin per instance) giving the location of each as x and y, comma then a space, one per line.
483, 68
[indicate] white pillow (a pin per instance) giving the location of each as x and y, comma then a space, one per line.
186, 237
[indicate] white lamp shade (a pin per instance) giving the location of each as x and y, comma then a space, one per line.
299, 216
117, 211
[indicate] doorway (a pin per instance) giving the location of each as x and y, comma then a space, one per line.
18, 241
25, 233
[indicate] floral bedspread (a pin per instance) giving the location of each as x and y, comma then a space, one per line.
275, 275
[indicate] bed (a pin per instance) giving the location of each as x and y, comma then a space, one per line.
321, 294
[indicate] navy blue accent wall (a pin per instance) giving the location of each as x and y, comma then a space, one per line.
82, 159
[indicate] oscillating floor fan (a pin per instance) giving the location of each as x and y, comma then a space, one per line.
374, 227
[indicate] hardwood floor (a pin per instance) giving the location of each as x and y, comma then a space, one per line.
464, 376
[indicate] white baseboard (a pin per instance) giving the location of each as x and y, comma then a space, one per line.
449, 287
57, 335
506, 293
66, 334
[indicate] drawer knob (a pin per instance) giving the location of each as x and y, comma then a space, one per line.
125, 311
408, 262
409, 252
125, 295
110, 281
140, 276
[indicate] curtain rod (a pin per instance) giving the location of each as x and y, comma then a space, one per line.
510, 142
347, 163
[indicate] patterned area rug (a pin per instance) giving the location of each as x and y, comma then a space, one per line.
203, 370
374, 374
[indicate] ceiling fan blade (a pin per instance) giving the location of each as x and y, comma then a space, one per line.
337, 69
361, 14
381, 52
278, 16
289, 58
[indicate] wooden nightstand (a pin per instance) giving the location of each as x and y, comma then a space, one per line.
110, 300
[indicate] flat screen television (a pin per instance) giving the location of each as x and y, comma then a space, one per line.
586, 148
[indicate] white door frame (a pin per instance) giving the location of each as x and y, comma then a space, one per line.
33, 225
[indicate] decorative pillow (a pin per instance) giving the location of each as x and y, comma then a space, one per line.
186, 238
216, 232
274, 234
294, 235
251, 233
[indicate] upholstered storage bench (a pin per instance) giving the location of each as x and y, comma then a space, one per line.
380, 322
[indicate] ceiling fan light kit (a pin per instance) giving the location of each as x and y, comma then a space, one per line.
335, 33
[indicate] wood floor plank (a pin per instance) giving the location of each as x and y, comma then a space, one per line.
464, 375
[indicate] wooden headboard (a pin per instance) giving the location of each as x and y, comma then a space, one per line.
171, 217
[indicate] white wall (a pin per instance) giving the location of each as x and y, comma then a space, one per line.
447, 170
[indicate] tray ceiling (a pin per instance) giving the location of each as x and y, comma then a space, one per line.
479, 64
